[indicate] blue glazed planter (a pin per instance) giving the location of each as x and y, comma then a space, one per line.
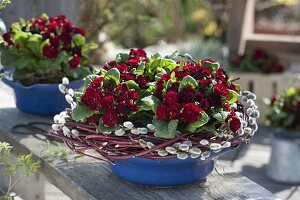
164, 172
41, 99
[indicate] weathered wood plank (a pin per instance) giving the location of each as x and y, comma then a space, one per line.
33, 8
90, 179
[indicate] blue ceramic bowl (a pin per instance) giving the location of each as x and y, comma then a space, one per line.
164, 172
41, 99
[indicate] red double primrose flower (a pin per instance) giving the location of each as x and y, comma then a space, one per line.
191, 113
138, 52
92, 98
188, 94
171, 97
110, 118
94, 119
50, 51
107, 102
75, 61
7, 37
234, 124
221, 89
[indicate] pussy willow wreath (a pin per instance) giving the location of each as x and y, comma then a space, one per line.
156, 107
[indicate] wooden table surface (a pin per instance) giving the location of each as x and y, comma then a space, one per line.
87, 178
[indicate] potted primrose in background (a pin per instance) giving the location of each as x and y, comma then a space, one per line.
283, 116
158, 121
38, 53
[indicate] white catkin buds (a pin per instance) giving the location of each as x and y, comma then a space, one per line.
65, 81
71, 92
128, 124
151, 127
69, 99
204, 142
56, 127
215, 146
119, 132
75, 132
66, 131
62, 88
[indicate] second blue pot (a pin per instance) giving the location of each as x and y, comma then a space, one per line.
41, 99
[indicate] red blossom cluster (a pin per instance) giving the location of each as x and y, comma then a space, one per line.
114, 101
136, 57
187, 104
60, 32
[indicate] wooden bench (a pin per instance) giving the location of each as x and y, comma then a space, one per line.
90, 179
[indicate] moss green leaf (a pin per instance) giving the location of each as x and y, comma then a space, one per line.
192, 127
81, 112
151, 101
112, 75
188, 81
121, 57
164, 129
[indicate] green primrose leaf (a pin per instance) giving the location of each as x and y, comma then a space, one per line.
188, 81
88, 80
131, 84
167, 64
81, 112
192, 127
112, 75
233, 96
164, 129
212, 66
77, 73
121, 57
89, 46
151, 101
79, 40
140, 69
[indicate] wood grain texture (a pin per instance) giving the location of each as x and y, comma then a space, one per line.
33, 8
90, 179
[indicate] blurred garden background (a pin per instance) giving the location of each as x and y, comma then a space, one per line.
257, 41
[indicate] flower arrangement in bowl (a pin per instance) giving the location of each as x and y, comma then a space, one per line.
39, 53
284, 110
258, 61
159, 121
283, 115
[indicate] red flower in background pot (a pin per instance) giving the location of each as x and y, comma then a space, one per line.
74, 62
7, 38
50, 51
78, 30
258, 55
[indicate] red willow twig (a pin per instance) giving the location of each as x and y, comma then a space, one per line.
110, 147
